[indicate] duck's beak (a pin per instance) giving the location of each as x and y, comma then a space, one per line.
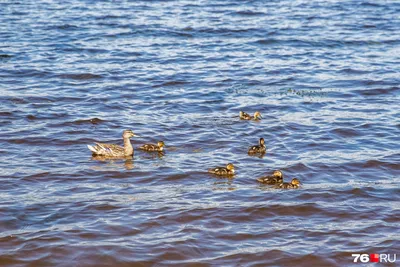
135, 135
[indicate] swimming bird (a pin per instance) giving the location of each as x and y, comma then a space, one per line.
229, 170
275, 178
112, 150
159, 147
245, 116
261, 148
294, 184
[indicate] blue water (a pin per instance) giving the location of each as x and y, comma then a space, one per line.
324, 75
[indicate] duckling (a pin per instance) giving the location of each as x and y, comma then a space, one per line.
275, 178
151, 147
112, 150
229, 170
245, 116
294, 184
261, 148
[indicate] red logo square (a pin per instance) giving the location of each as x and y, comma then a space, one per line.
374, 257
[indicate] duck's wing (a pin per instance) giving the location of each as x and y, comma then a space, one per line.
284, 185
110, 150
264, 180
149, 147
245, 116
219, 171
268, 180
254, 149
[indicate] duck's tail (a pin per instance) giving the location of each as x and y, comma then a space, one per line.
91, 148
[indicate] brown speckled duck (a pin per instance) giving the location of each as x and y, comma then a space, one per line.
275, 178
245, 116
112, 150
294, 184
159, 147
229, 170
261, 148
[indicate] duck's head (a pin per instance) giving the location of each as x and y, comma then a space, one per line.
230, 167
262, 142
278, 174
295, 181
257, 115
128, 134
160, 144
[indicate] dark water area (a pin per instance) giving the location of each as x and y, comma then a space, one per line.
325, 75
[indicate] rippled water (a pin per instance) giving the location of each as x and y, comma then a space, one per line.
324, 74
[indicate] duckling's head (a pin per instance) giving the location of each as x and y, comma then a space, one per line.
278, 174
128, 134
257, 115
160, 144
241, 113
262, 142
230, 167
295, 181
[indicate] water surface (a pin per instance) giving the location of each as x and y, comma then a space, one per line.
324, 74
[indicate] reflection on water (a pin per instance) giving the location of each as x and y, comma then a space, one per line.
152, 155
129, 164
257, 155
125, 163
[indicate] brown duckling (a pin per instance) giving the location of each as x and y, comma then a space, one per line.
229, 170
245, 116
261, 148
152, 147
294, 184
112, 150
275, 178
